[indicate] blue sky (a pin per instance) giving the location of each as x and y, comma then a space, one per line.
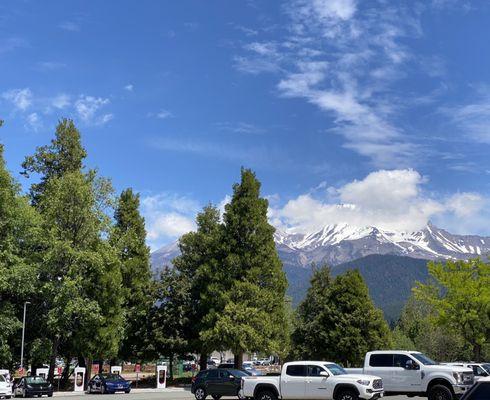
372, 112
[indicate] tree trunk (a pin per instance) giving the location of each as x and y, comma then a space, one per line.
52, 359
66, 372
238, 359
203, 361
88, 372
171, 367
101, 366
477, 352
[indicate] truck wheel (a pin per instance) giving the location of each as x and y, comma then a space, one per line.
266, 395
347, 395
440, 392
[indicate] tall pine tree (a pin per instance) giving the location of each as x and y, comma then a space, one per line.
338, 320
129, 239
200, 268
251, 314
19, 230
80, 272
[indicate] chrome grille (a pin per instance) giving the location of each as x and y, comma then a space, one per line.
377, 384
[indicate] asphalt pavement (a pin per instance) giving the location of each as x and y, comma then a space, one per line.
168, 394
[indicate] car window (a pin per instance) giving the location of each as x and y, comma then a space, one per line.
237, 373
486, 367
336, 369
2, 378
479, 371
296, 370
423, 359
112, 377
315, 370
381, 360
400, 360
35, 379
481, 392
212, 374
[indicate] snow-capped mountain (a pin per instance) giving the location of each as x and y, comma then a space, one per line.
335, 244
340, 243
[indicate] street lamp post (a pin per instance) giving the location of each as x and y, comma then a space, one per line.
23, 336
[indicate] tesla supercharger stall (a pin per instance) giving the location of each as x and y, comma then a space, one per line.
79, 379
116, 369
161, 376
42, 372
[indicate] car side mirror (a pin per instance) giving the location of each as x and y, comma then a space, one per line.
324, 374
411, 365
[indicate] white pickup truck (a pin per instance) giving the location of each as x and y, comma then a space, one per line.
414, 374
312, 380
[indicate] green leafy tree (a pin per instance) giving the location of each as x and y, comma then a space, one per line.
250, 313
200, 268
19, 231
460, 298
128, 237
416, 330
338, 320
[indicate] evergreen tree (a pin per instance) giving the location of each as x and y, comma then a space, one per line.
18, 260
170, 317
80, 271
338, 320
64, 154
200, 268
128, 237
251, 300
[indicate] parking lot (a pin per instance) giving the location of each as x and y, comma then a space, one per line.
144, 394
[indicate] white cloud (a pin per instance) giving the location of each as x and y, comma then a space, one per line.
20, 98
343, 59
50, 65
466, 204
33, 121
69, 26
12, 43
473, 118
392, 200
129, 87
168, 216
60, 101
87, 108
163, 114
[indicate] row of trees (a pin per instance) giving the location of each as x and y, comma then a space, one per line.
77, 253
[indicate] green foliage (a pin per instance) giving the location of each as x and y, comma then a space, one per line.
200, 268
128, 237
338, 320
416, 331
252, 286
18, 258
460, 298
64, 154
169, 318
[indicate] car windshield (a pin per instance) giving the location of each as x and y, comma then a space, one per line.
238, 374
486, 367
2, 378
336, 369
423, 359
111, 377
35, 379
